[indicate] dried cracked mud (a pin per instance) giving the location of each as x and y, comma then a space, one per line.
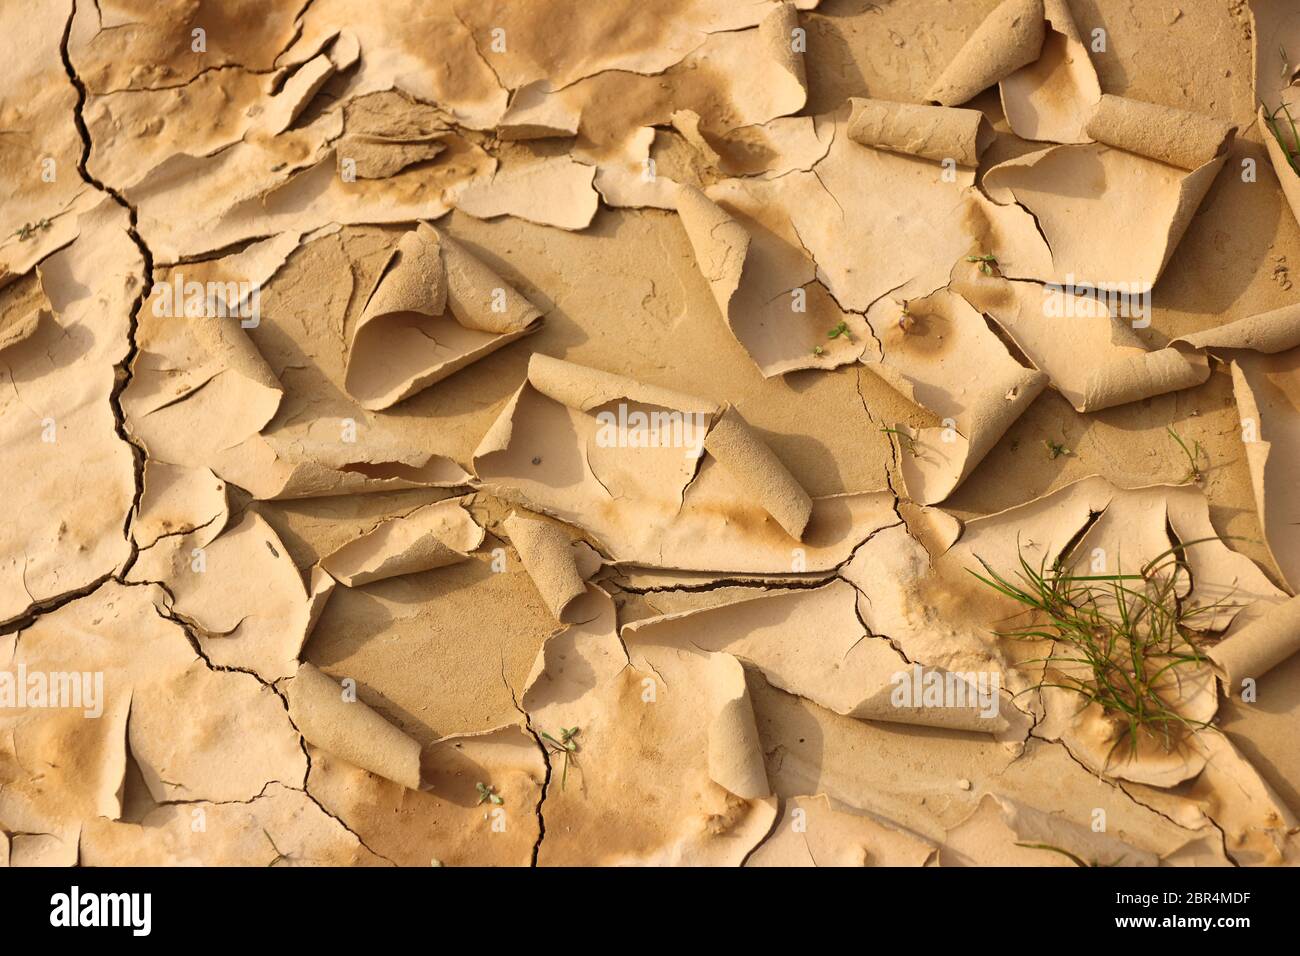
702, 433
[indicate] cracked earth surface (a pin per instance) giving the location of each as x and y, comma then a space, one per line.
508, 434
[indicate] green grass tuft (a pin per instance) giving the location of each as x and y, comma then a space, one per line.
1128, 632
1292, 148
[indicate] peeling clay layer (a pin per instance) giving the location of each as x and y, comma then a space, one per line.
528, 436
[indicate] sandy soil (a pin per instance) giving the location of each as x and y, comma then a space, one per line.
498, 433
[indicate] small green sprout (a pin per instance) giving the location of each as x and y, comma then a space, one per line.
487, 794
565, 745
818, 350
906, 320
987, 263
30, 229
1077, 861
1055, 449
841, 329
1194, 455
903, 437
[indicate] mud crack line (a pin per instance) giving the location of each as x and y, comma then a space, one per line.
123, 370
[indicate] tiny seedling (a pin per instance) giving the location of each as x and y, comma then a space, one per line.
30, 229
1291, 148
818, 350
1194, 455
565, 745
487, 793
906, 320
987, 263
1055, 449
903, 437
840, 330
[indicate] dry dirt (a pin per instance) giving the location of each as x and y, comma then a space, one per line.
486, 432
